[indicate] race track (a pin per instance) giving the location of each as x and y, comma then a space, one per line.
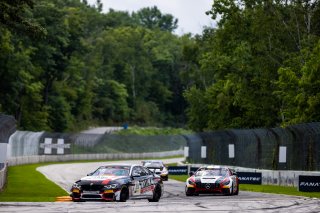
174, 199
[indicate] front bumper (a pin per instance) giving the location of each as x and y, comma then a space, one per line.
107, 195
208, 188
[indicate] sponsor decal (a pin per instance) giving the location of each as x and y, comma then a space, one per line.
59, 146
178, 170
250, 177
147, 189
208, 186
309, 183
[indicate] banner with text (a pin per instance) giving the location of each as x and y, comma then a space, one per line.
309, 183
250, 177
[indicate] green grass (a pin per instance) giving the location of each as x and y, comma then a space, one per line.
26, 184
181, 178
262, 188
277, 190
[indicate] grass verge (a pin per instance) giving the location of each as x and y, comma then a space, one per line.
263, 188
26, 184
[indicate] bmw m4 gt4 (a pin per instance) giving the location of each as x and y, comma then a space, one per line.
118, 183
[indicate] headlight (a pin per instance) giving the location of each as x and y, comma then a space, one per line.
164, 172
111, 186
190, 182
75, 185
226, 182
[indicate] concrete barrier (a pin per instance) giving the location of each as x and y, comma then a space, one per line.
103, 156
3, 176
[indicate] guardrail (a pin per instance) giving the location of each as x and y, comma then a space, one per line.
73, 157
3, 176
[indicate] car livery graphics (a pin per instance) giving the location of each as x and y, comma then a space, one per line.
118, 183
212, 179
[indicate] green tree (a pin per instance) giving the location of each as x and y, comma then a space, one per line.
152, 18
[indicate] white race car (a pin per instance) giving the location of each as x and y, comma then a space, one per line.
212, 179
157, 167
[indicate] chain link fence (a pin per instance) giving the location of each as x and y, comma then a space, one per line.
260, 148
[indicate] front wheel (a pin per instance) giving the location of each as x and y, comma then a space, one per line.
227, 191
189, 191
124, 195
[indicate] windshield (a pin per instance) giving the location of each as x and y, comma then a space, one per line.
153, 164
112, 171
211, 172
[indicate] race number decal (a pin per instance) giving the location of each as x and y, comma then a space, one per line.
136, 188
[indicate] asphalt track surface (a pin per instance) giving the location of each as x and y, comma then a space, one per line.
174, 199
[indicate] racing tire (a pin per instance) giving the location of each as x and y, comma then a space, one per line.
189, 192
228, 192
237, 192
156, 195
124, 194
232, 189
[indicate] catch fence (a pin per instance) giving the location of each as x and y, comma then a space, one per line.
295, 147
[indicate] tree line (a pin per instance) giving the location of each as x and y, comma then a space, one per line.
66, 65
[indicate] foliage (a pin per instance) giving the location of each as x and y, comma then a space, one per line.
78, 66
135, 130
257, 67
88, 67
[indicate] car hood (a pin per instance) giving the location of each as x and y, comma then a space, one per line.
208, 179
103, 179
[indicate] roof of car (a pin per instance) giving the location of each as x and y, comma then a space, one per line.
214, 167
129, 165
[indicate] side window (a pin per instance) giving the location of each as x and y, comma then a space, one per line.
143, 172
136, 171
146, 171
139, 170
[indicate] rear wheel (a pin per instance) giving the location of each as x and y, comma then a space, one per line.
237, 192
156, 195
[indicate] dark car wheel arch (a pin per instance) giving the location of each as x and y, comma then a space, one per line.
124, 194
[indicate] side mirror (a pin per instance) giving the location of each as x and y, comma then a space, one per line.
191, 173
89, 174
161, 168
234, 173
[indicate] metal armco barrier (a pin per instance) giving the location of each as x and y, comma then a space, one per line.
3, 176
7, 128
99, 156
